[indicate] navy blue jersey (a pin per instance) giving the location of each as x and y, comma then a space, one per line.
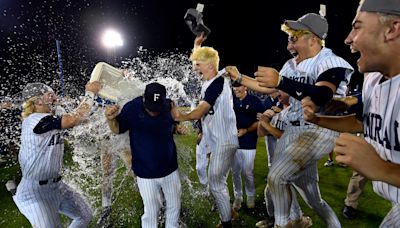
151, 139
246, 114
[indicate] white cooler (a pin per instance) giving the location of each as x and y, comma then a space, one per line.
115, 87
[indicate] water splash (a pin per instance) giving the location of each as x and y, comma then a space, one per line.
93, 136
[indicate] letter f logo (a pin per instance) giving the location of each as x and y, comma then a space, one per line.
156, 96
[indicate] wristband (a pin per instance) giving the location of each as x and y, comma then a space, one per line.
239, 78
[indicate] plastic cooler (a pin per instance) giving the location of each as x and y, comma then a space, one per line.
115, 87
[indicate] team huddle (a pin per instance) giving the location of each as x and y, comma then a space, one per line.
230, 122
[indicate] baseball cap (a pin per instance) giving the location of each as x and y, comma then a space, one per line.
35, 89
155, 97
381, 6
312, 22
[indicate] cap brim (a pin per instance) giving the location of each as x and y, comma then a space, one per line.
295, 25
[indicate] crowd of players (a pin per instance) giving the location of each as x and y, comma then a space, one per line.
311, 87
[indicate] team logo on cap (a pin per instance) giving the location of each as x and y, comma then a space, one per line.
156, 96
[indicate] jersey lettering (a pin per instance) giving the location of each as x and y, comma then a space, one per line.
373, 129
55, 139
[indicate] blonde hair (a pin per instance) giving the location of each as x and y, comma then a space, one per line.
206, 54
298, 33
28, 107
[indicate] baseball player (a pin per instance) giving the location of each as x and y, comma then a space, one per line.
271, 122
218, 123
246, 107
316, 72
41, 195
270, 140
376, 35
149, 121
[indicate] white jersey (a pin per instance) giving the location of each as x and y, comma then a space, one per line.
219, 127
381, 124
308, 71
40, 155
280, 120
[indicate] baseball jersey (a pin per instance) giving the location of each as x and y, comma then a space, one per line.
279, 120
219, 124
381, 117
308, 71
41, 154
151, 139
246, 114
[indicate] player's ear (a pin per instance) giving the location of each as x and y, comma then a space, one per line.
393, 30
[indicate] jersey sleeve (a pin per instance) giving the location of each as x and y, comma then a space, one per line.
124, 119
48, 123
335, 62
213, 91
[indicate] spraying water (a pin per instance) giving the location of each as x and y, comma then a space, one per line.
92, 137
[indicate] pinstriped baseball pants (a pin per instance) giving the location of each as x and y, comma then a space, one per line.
150, 190
297, 152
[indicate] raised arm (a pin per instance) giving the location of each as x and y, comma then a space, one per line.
195, 114
247, 81
83, 110
198, 41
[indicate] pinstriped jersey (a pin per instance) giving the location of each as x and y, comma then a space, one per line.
40, 155
219, 124
381, 117
280, 119
308, 71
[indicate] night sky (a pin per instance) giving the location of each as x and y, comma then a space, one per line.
246, 33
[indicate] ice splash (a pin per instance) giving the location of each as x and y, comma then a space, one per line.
93, 137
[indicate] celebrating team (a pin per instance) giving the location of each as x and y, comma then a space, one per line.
312, 78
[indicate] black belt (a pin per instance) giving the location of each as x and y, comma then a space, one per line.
298, 123
54, 180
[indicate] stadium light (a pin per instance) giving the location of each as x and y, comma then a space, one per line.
112, 39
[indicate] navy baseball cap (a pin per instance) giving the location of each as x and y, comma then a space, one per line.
155, 97
312, 22
34, 90
391, 7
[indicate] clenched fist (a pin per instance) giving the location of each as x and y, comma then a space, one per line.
112, 112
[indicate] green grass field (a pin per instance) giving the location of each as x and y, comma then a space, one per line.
127, 206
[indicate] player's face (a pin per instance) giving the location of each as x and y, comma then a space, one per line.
49, 98
240, 91
299, 44
201, 67
366, 37
290, 46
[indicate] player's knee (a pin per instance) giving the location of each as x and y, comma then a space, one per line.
275, 177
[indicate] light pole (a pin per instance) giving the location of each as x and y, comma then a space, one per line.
111, 40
